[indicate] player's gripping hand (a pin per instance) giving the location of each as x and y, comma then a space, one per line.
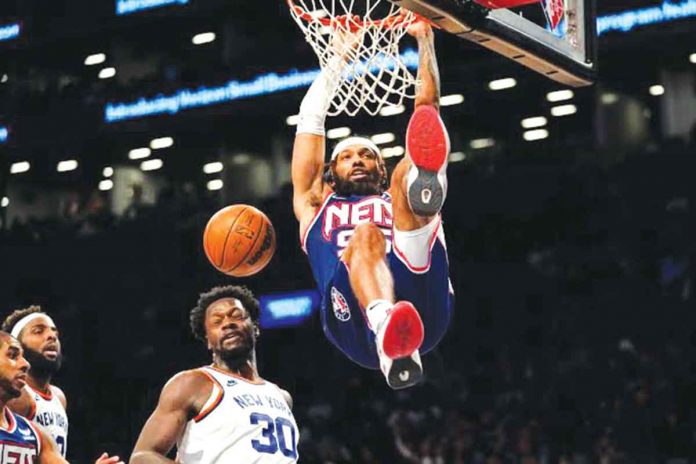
420, 28
345, 43
106, 459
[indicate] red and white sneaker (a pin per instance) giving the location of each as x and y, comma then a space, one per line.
428, 146
398, 339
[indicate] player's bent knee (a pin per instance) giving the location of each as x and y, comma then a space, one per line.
367, 237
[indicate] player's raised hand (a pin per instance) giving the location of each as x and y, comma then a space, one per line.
344, 43
106, 459
420, 28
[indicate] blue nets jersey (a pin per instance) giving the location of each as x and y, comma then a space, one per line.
329, 232
20, 442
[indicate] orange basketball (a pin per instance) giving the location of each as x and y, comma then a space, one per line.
239, 240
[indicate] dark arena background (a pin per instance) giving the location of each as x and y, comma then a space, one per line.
571, 236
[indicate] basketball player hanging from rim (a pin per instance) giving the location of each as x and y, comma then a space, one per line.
370, 245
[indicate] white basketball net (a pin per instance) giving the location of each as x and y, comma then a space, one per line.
372, 74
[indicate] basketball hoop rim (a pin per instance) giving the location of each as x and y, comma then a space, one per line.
350, 22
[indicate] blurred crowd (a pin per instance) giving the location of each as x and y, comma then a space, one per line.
573, 339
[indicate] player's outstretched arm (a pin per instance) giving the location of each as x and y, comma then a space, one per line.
49, 450
309, 147
428, 92
180, 400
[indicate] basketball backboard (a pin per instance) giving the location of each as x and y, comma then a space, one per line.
556, 38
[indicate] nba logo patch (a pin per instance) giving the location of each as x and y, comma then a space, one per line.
340, 306
231, 383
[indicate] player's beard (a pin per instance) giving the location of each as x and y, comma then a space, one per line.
240, 354
40, 364
370, 185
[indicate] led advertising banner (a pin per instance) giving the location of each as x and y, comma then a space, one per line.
628, 20
287, 309
233, 90
124, 7
9, 31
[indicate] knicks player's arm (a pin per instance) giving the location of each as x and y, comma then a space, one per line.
23, 405
49, 450
428, 91
180, 401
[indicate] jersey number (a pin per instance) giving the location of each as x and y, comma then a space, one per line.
60, 441
273, 435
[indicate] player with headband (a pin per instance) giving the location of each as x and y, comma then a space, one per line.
370, 242
40, 401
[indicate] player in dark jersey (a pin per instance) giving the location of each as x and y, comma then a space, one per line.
21, 442
368, 244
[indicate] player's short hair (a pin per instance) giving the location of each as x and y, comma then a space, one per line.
17, 315
241, 293
4, 336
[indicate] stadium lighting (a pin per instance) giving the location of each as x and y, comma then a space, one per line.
241, 158
502, 84
162, 142
292, 120
386, 137
536, 134
107, 73
203, 38
67, 165
657, 90
609, 98
4, 78
108, 171
478, 144
559, 95
151, 164
4, 202
20, 167
139, 153
564, 110
692, 58
457, 156
391, 152
97, 58
338, 133
215, 184
453, 99
106, 184
212, 168
392, 110
536, 121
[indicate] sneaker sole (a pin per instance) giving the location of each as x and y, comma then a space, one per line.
404, 333
404, 372
428, 146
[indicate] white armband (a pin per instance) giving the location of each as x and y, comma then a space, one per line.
316, 102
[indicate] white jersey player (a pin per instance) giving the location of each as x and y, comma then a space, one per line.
224, 412
48, 410
40, 401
